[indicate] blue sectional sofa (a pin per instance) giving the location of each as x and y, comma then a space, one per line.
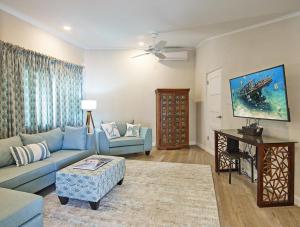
125, 145
20, 209
17, 182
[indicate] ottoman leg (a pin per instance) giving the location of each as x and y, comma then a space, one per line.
95, 205
63, 200
121, 181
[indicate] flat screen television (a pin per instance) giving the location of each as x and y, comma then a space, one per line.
261, 95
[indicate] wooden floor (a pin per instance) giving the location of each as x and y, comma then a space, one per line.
236, 202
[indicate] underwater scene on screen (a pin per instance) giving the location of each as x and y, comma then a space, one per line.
260, 95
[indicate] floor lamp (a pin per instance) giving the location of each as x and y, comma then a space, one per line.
89, 105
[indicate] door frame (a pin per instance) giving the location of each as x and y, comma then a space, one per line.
208, 148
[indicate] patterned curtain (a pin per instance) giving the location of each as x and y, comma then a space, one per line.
37, 93
67, 89
11, 90
43, 92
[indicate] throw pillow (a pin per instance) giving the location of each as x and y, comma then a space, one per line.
111, 130
6, 157
75, 138
54, 139
31, 138
121, 125
133, 130
30, 153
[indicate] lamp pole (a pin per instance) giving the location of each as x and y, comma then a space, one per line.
89, 105
89, 120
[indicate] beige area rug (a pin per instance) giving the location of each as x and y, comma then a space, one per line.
152, 194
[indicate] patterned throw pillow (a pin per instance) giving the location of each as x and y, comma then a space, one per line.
133, 130
30, 153
111, 130
122, 127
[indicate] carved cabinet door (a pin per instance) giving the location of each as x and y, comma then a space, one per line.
172, 118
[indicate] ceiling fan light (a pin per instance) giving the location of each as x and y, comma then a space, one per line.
67, 28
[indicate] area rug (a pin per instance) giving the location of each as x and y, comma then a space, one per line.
152, 194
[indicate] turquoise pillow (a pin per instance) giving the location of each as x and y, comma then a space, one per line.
31, 138
75, 138
6, 158
53, 138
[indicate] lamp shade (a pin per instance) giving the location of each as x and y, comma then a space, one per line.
88, 104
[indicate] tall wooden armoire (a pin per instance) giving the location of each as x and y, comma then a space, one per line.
172, 118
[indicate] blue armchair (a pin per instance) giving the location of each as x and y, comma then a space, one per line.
126, 145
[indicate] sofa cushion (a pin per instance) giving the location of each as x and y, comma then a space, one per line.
13, 176
54, 139
121, 125
64, 158
36, 221
75, 138
20, 207
126, 141
6, 158
31, 138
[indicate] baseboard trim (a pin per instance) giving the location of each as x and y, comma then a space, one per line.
191, 143
206, 148
297, 200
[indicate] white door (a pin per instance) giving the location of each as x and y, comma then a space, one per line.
214, 105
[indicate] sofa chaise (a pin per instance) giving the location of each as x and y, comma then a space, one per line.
20, 209
33, 177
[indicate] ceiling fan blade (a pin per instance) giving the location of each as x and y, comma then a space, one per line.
160, 45
176, 49
160, 55
150, 49
139, 55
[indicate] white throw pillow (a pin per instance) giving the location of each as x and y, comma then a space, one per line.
111, 130
133, 130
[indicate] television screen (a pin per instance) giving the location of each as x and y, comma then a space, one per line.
261, 95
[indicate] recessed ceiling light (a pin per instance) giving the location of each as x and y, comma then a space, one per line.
67, 28
141, 44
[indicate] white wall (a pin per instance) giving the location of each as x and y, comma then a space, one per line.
124, 86
21, 33
246, 52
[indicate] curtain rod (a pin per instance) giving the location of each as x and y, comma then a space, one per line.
38, 53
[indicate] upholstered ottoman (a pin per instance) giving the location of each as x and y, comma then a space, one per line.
89, 185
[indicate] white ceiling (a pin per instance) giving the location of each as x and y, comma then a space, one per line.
103, 24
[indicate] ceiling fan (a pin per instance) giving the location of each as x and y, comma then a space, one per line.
159, 48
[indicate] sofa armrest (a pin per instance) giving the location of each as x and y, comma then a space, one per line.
103, 142
146, 134
91, 142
